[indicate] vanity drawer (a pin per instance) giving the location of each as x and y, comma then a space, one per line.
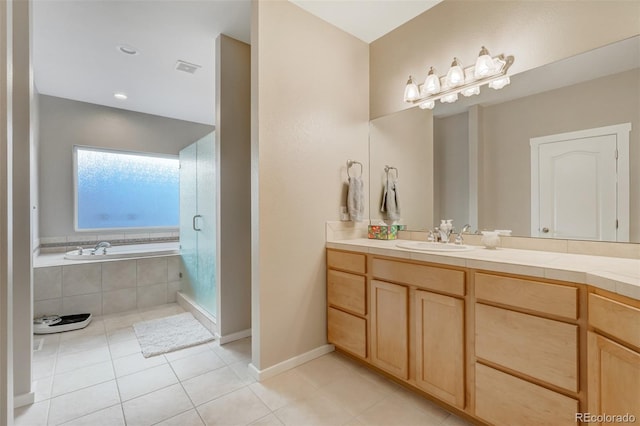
347, 291
537, 296
352, 262
427, 277
502, 399
537, 347
615, 318
347, 332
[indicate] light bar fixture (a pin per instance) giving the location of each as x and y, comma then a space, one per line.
487, 70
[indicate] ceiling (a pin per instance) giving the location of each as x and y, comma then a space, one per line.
76, 56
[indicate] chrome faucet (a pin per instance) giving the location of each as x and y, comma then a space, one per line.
459, 240
101, 245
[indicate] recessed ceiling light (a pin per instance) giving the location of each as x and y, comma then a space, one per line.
120, 96
127, 49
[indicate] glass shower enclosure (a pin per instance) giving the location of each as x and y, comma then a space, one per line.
198, 222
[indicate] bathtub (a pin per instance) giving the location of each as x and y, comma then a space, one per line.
126, 251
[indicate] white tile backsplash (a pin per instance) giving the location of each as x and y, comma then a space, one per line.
47, 283
119, 301
81, 279
86, 303
152, 295
151, 271
119, 275
107, 287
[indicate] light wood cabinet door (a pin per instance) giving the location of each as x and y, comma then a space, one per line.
390, 328
505, 400
538, 347
348, 332
614, 378
440, 346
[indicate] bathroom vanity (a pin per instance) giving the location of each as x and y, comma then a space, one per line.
502, 337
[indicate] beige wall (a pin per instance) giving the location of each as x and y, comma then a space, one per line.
404, 140
535, 32
64, 123
23, 94
6, 285
509, 126
310, 88
233, 133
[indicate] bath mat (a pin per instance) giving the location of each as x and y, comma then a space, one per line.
169, 334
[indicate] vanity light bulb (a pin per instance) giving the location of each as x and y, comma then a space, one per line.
470, 91
427, 105
484, 64
500, 83
431, 85
449, 99
411, 92
455, 76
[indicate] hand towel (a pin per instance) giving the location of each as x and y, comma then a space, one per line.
390, 206
355, 198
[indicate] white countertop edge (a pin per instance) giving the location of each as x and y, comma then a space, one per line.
618, 275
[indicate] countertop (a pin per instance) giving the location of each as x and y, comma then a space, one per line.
618, 275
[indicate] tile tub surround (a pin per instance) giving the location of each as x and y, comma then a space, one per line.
106, 287
617, 275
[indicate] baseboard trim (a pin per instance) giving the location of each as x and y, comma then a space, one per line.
290, 363
24, 399
234, 336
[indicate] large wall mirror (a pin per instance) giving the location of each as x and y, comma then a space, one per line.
478, 160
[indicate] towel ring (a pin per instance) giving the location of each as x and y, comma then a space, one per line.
351, 163
387, 169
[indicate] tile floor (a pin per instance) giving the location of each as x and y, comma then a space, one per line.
97, 376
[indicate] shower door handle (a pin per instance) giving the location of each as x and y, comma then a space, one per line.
194, 222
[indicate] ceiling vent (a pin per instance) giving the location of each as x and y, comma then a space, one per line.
187, 67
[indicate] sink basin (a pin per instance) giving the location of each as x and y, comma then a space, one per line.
428, 246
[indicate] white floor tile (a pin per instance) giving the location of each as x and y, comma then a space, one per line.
353, 393
156, 406
211, 385
124, 348
82, 402
269, 420
44, 367
226, 409
146, 381
239, 350
390, 411
121, 334
42, 388
278, 391
32, 415
324, 370
136, 362
190, 418
71, 362
82, 378
82, 343
317, 410
111, 416
183, 353
194, 365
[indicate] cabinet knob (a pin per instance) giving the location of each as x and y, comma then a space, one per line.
545, 230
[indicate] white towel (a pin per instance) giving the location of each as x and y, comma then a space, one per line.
390, 206
355, 198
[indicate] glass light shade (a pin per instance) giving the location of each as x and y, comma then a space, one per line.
500, 83
427, 105
455, 76
449, 99
411, 91
470, 91
431, 85
484, 64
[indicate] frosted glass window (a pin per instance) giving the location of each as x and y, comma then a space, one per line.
120, 189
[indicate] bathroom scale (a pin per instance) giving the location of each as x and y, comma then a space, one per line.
56, 323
